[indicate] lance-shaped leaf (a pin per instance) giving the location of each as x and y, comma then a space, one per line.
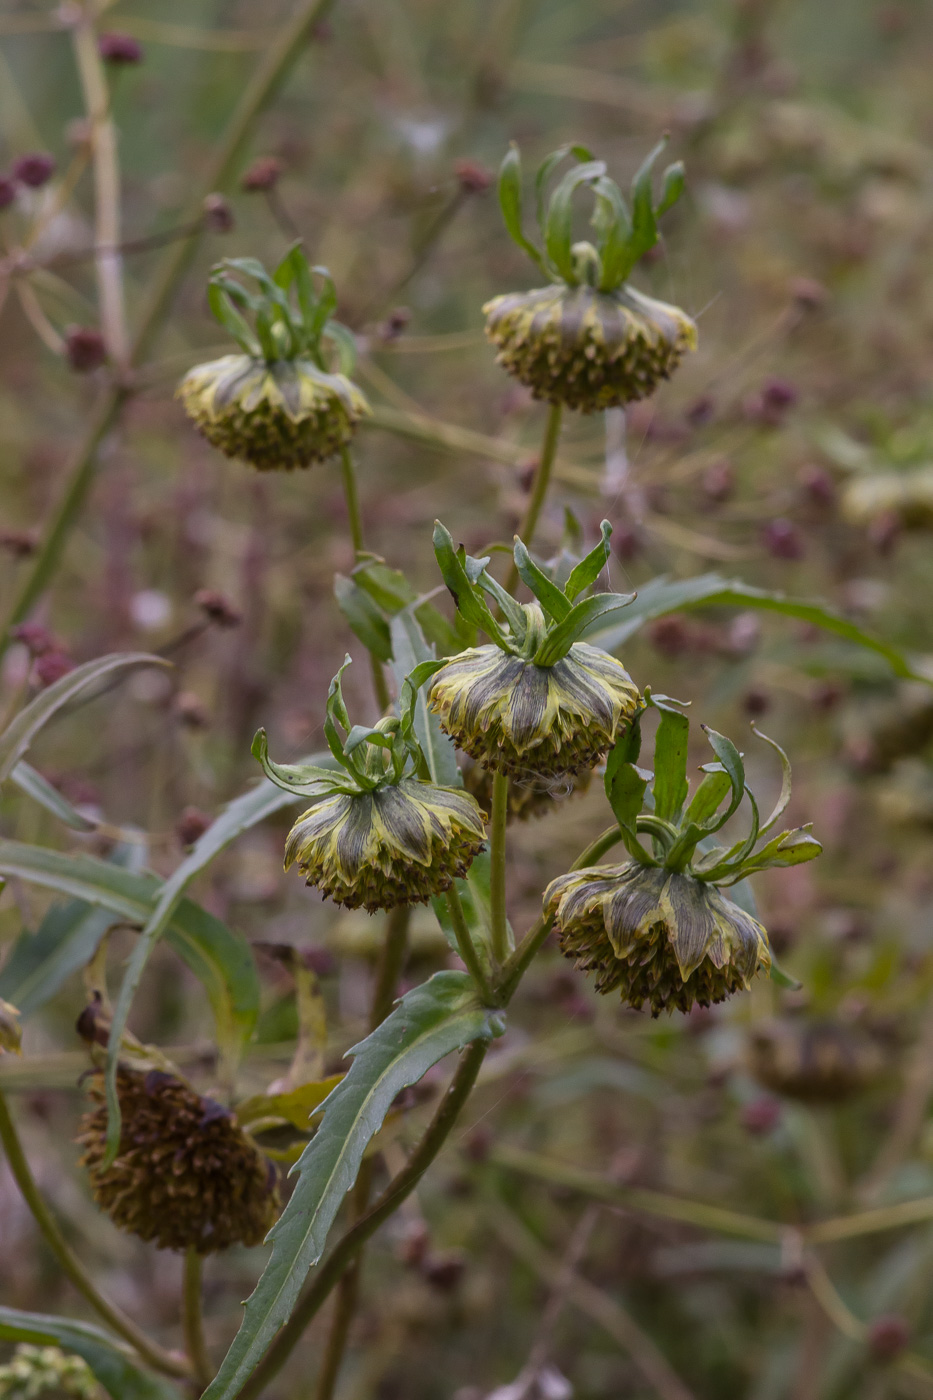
299, 779
591, 565
789, 848
466, 595
412, 657
40, 963
670, 761
559, 223
663, 596
581, 617
365, 619
109, 1361
672, 187
554, 602
644, 223
20, 732
731, 760
430, 1021
510, 202
32, 783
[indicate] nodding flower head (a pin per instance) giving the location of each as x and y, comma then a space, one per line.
528, 797
378, 834
287, 400
589, 340
537, 703
186, 1176
658, 929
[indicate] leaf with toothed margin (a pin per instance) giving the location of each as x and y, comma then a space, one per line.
432, 1020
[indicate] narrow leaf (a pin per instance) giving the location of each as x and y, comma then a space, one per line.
363, 616
111, 1364
32, 783
510, 202
559, 222
591, 565
670, 763
672, 188
431, 1021
19, 734
466, 595
782, 802
40, 963
552, 600
575, 624
410, 651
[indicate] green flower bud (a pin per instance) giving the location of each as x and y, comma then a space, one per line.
658, 936
529, 797
186, 1176
587, 349
276, 415
399, 843
814, 1061
539, 721
37, 1371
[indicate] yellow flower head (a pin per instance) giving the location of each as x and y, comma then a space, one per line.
280, 404
399, 844
521, 718
587, 349
659, 937
590, 340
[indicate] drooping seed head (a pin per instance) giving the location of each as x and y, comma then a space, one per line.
659, 937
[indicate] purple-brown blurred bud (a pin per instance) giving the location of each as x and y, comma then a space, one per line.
701, 411
444, 1271
34, 170
472, 176
887, 1337
782, 539
52, 666
263, 174
818, 485
394, 324
760, 1116
218, 216
19, 543
809, 293
118, 48
35, 638
670, 636
218, 607
190, 825
756, 702
7, 191
85, 348
718, 481
191, 710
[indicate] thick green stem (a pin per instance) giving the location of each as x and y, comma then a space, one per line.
271, 72
465, 945
499, 926
193, 1322
352, 498
70, 1265
540, 485
401, 1186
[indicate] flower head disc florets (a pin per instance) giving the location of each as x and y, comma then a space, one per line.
378, 834
518, 718
185, 1176
589, 341
586, 349
658, 929
537, 703
280, 404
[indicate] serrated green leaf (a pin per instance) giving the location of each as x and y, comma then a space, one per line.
20, 732
432, 1020
663, 596
363, 617
111, 1364
32, 783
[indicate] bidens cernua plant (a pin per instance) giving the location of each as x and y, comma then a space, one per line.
589, 340
657, 929
279, 404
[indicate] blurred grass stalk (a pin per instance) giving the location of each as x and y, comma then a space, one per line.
268, 77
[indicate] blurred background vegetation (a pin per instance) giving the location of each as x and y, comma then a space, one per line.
794, 450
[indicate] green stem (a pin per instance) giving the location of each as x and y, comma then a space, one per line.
270, 73
193, 1322
499, 927
400, 1187
352, 498
465, 945
540, 486
70, 1264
